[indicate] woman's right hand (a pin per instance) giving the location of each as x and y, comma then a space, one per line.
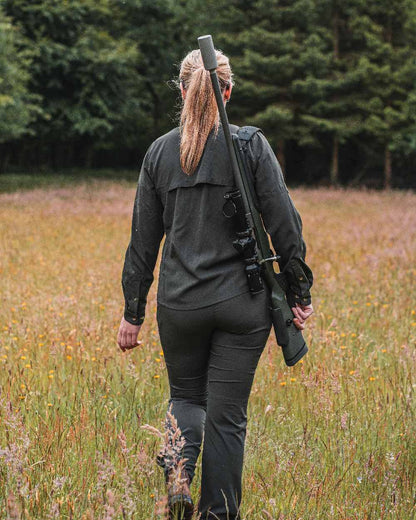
127, 335
301, 313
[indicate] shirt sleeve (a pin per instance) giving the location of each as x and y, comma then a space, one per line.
281, 219
141, 255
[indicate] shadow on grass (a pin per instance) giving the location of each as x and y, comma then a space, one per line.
10, 182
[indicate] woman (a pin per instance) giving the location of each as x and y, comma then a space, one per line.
212, 329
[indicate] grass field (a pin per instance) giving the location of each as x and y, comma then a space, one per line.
331, 438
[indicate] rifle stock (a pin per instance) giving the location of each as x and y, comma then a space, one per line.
288, 336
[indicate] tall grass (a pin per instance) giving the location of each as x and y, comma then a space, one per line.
331, 438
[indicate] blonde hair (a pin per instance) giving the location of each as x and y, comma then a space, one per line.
199, 112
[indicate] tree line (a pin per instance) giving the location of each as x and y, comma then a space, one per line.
89, 83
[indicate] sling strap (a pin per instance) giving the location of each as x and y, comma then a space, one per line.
245, 135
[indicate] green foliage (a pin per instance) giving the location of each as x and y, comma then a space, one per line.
86, 77
17, 105
326, 80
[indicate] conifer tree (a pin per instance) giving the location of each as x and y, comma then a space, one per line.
391, 53
269, 44
331, 98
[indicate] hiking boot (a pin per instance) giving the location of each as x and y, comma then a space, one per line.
180, 503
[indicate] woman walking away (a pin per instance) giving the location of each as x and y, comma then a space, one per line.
212, 329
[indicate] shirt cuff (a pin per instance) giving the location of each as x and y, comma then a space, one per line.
299, 278
133, 312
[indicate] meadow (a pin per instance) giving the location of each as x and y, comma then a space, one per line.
332, 438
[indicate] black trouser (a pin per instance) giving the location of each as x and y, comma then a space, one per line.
211, 356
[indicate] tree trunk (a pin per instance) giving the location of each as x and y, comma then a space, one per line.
335, 162
156, 109
335, 144
89, 157
4, 157
335, 28
387, 168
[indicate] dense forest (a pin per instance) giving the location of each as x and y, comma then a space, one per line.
90, 83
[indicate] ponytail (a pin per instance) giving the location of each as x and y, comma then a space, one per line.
199, 113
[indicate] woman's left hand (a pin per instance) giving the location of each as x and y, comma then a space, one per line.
302, 313
127, 335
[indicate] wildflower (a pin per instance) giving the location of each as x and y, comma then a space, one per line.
352, 372
156, 376
157, 360
50, 376
69, 357
282, 383
27, 365
49, 404
293, 379
372, 378
22, 357
40, 344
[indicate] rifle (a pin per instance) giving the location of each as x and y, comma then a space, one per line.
255, 251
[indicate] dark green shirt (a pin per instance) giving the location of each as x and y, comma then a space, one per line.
199, 264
